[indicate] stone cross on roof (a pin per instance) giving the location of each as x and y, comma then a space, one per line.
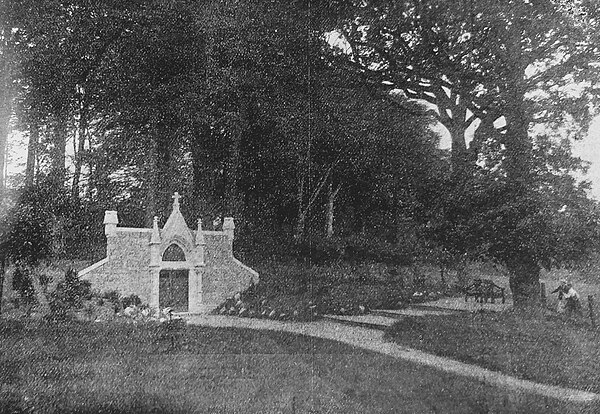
176, 198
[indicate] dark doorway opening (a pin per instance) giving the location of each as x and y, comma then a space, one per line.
173, 290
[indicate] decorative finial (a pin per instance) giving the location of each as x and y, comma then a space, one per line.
155, 238
176, 198
229, 227
200, 234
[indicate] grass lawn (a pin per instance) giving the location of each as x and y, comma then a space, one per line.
119, 368
542, 348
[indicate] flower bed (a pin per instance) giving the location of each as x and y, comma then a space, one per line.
255, 304
340, 299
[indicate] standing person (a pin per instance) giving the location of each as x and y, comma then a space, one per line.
572, 303
561, 290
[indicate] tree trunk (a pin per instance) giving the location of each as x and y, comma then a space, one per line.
329, 213
32, 146
59, 141
524, 271
518, 145
304, 210
524, 281
160, 183
5, 112
3, 143
151, 196
2, 277
232, 202
459, 148
300, 222
202, 172
238, 127
484, 131
81, 135
461, 272
453, 116
517, 142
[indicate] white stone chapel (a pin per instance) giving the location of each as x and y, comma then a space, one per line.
189, 270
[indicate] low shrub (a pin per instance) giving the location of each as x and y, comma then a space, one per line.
112, 297
110, 305
69, 296
131, 300
21, 283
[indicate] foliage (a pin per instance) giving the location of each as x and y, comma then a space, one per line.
225, 124
550, 221
116, 301
131, 300
315, 249
113, 297
465, 56
22, 283
69, 295
481, 63
35, 228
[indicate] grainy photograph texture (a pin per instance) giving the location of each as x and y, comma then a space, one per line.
269, 206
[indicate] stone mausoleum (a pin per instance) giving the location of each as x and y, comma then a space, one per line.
178, 267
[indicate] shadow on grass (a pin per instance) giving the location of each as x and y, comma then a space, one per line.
136, 404
112, 368
540, 347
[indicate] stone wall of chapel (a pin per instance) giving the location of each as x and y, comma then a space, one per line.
217, 250
220, 282
127, 267
222, 275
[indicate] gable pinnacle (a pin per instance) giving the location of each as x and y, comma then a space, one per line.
155, 238
200, 234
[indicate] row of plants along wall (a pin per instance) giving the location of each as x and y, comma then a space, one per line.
69, 298
306, 293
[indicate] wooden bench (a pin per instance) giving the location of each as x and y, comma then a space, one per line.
484, 289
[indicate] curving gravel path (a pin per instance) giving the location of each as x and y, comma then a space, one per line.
372, 339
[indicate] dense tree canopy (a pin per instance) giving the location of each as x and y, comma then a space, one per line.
252, 109
530, 65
